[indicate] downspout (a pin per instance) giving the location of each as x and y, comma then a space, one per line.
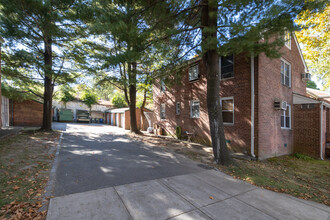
252, 105
321, 129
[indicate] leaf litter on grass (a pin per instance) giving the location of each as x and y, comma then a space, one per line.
25, 160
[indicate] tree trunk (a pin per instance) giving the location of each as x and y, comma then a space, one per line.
48, 87
142, 107
211, 60
132, 98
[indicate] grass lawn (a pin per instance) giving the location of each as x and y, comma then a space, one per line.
25, 160
298, 175
301, 177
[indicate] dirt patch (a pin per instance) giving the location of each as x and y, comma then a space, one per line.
297, 175
25, 160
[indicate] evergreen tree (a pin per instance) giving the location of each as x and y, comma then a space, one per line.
125, 31
40, 37
232, 27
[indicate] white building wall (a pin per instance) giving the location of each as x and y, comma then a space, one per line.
5, 111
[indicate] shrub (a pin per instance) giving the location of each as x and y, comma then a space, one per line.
178, 132
301, 156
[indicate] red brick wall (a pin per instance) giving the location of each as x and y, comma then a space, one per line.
324, 130
328, 125
306, 133
183, 93
238, 135
138, 120
272, 139
26, 113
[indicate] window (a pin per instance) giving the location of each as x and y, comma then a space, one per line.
162, 85
227, 67
177, 110
227, 110
286, 117
193, 73
194, 109
285, 73
162, 111
287, 39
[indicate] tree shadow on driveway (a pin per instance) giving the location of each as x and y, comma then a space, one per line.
92, 159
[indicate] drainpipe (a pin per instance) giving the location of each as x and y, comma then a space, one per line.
321, 128
252, 105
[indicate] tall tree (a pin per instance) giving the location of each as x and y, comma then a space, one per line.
125, 33
40, 37
315, 39
232, 27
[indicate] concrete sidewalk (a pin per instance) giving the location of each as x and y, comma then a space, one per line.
204, 195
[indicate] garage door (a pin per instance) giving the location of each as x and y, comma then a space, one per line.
122, 120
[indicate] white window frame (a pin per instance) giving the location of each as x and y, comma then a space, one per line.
193, 77
288, 108
162, 85
177, 108
287, 39
229, 98
290, 73
220, 75
162, 111
193, 102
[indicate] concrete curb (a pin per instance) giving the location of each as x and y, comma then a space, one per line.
52, 178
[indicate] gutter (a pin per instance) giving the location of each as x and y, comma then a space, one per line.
321, 129
252, 105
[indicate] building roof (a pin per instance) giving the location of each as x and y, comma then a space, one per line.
104, 102
300, 52
301, 99
318, 94
118, 110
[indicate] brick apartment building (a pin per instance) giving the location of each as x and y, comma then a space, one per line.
253, 126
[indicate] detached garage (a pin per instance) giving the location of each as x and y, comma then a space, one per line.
120, 117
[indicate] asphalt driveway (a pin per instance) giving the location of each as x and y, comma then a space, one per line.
94, 156
103, 174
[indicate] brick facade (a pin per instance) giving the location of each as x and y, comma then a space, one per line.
26, 113
270, 139
307, 124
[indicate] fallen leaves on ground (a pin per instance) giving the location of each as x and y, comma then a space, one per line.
25, 160
22, 210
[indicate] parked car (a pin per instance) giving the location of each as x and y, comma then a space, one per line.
83, 116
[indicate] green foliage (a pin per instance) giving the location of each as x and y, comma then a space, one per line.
118, 100
311, 84
15, 93
66, 94
303, 157
178, 132
315, 38
89, 98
